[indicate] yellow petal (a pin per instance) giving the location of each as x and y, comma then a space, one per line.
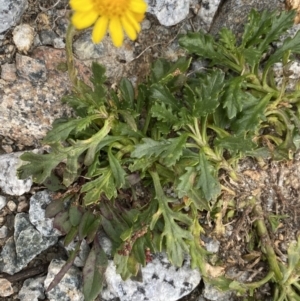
129, 29
131, 18
100, 29
138, 6
116, 31
81, 5
83, 20
139, 17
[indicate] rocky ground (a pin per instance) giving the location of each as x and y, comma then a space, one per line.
33, 80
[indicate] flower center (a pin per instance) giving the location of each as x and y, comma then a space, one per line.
111, 8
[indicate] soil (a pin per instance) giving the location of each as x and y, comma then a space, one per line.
275, 185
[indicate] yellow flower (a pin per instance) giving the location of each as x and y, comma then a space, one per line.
115, 15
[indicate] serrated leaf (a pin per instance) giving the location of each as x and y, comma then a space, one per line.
40, 166
174, 151
93, 272
235, 143
196, 196
251, 117
117, 170
127, 92
227, 38
186, 181
161, 94
208, 181
149, 148
289, 44
173, 234
204, 98
104, 183
232, 97
163, 113
201, 44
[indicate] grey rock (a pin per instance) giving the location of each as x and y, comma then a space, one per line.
29, 107
85, 49
31, 69
83, 252
32, 289
161, 281
23, 36
38, 205
3, 232
9, 182
47, 37
212, 246
25, 245
69, 288
11, 12
169, 12
213, 294
3, 201
233, 13
207, 12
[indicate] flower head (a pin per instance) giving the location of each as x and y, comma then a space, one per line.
115, 15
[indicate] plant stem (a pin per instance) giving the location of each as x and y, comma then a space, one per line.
266, 241
69, 53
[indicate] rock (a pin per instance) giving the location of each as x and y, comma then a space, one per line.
112, 58
31, 69
207, 12
11, 205
8, 72
169, 12
6, 288
213, 294
47, 37
69, 288
29, 108
25, 245
38, 205
213, 246
233, 13
9, 182
23, 36
3, 201
32, 289
3, 232
161, 281
11, 12
83, 253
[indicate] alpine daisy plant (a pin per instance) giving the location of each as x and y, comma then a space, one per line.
116, 16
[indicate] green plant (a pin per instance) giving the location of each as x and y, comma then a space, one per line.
175, 131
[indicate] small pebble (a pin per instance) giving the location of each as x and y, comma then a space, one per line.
3, 232
5, 288
2, 220
7, 148
11, 205
23, 36
8, 73
23, 206
3, 202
